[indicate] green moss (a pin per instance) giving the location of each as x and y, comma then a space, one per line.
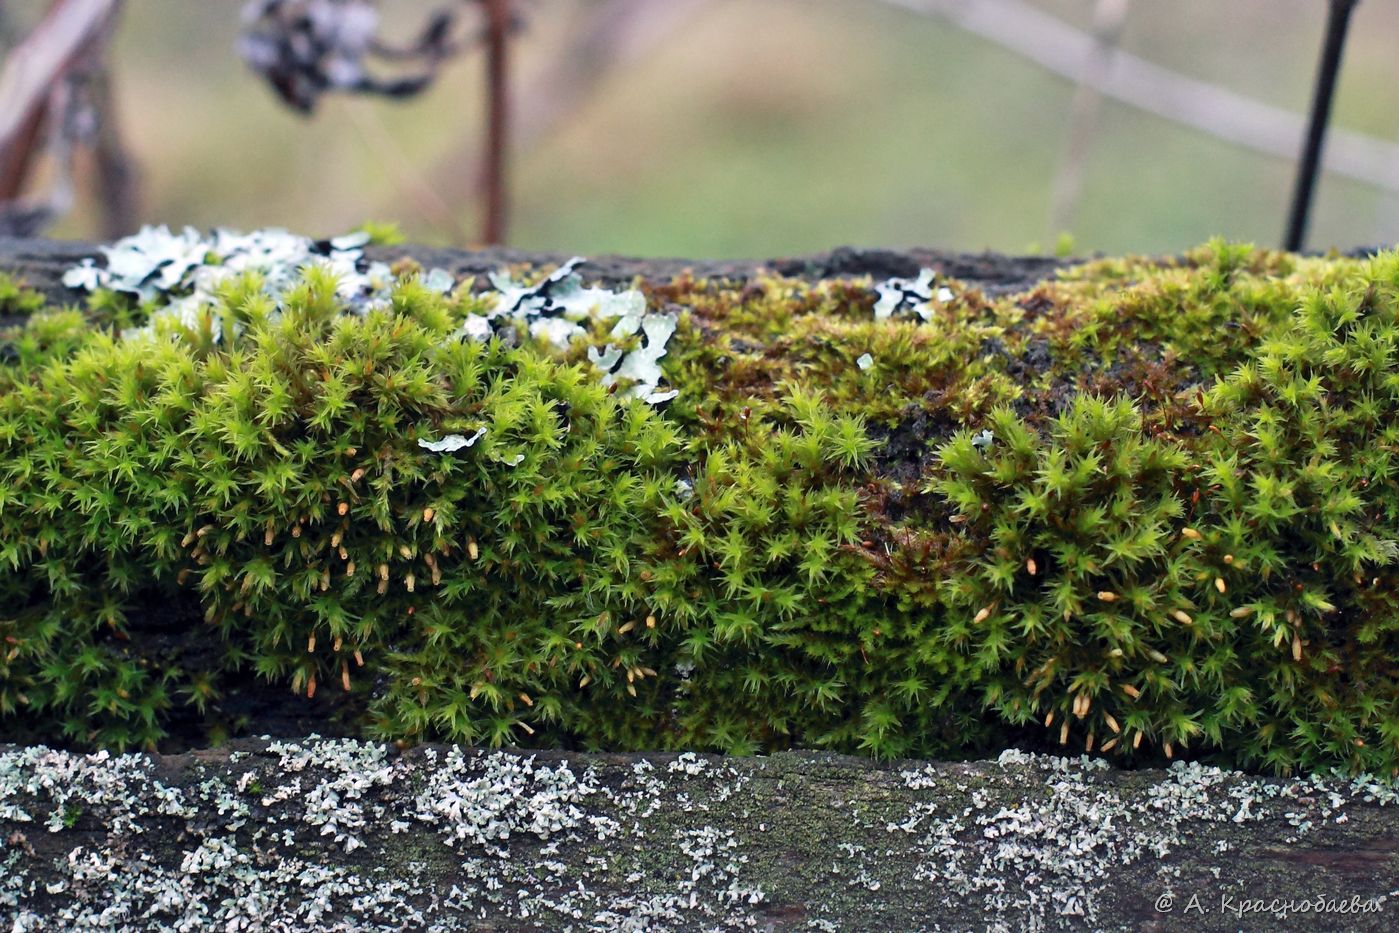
16, 301
383, 233
1145, 509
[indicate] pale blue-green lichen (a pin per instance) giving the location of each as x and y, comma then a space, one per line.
350, 835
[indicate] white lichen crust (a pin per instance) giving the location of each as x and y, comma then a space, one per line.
339, 834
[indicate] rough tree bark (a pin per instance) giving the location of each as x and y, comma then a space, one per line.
335, 834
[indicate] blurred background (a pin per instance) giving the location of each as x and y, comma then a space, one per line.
728, 128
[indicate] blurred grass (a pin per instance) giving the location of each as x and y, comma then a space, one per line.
766, 127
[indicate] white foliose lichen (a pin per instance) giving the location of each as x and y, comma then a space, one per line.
1046, 860
181, 273
554, 311
452, 442
909, 297
347, 835
484, 800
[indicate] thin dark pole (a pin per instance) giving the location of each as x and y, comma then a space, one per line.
497, 117
1337, 22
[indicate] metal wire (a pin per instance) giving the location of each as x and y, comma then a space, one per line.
1309, 164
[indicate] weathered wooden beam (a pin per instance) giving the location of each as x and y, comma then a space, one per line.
334, 834
342, 835
42, 264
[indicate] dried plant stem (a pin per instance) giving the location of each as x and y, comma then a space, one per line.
498, 118
1109, 18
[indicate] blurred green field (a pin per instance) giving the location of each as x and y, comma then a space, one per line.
765, 127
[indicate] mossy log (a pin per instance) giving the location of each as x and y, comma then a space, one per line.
1138, 507
332, 834
173, 624
261, 834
